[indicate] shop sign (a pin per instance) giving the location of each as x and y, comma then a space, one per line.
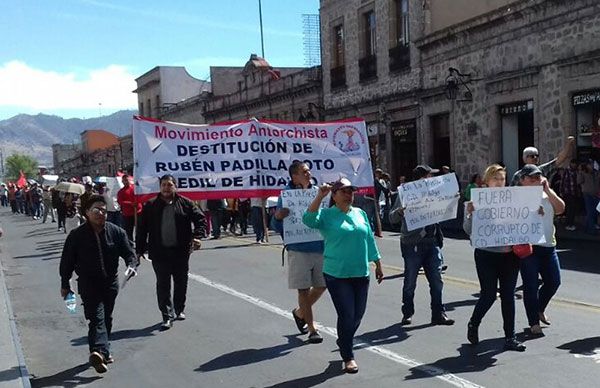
518, 107
404, 131
591, 97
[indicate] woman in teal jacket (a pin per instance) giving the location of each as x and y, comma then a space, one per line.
349, 247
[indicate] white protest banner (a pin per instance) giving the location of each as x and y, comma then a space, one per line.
247, 158
429, 201
294, 231
507, 216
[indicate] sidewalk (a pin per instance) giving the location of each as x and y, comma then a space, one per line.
13, 371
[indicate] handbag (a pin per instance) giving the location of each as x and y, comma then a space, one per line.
522, 250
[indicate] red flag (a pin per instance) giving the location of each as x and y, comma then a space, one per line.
275, 74
22, 181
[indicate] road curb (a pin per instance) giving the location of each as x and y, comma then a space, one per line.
14, 333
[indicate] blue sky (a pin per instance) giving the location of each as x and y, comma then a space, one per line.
79, 58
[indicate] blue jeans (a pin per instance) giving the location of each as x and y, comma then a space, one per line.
349, 296
591, 215
429, 257
494, 267
257, 222
543, 261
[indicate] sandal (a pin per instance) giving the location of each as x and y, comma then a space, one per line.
350, 367
300, 324
544, 319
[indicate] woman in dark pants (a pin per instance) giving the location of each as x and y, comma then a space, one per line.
494, 264
349, 248
543, 262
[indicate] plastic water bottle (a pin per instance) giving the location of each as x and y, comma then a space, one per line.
71, 302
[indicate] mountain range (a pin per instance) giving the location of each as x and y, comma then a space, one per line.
34, 134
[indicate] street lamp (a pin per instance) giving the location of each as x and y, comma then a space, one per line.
454, 81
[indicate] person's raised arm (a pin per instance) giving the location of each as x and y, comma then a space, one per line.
566, 152
316, 203
557, 203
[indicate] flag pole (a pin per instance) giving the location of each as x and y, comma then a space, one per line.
262, 41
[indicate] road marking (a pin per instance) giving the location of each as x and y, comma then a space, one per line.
392, 356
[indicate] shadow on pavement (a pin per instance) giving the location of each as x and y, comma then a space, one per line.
122, 334
451, 306
470, 359
235, 246
578, 256
13, 373
584, 347
251, 356
67, 378
333, 369
388, 335
36, 255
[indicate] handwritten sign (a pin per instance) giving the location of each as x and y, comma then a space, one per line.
507, 216
429, 201
294, 231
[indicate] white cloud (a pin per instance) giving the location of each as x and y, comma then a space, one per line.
36, 89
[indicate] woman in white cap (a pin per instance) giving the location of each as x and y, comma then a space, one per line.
349, 248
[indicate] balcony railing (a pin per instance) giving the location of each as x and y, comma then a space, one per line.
400, 58
367, 68
338, 77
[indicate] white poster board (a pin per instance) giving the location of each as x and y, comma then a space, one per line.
294, 231
429, 201
507, 216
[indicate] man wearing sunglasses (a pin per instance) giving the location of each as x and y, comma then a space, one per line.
531, 155
92, 251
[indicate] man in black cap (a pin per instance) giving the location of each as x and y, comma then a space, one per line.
165, 229
421, 248
92, 251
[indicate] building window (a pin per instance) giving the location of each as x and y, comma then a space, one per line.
338, 70
141, 110
370, 33
399, 52
368, 63
149, 107
157, 106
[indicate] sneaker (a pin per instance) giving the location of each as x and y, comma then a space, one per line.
442, 319
513, 344
167, 324
180, 316
406, 320
109, 359
472, 333
97, 362
315, 338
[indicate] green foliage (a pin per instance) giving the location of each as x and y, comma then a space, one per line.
19, 162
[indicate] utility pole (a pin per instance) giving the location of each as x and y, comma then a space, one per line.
1, 164
262, 41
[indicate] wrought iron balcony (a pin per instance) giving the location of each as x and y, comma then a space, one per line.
367, 68
338, 77
399, 58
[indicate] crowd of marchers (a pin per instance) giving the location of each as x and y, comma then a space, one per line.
166, 229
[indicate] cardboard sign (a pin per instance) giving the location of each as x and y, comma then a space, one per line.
507, 216
429, 201
294, 231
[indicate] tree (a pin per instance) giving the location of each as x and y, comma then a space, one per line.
19, 162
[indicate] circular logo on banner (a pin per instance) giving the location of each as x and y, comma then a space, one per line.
348, 139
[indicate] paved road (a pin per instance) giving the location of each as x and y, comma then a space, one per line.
240, 332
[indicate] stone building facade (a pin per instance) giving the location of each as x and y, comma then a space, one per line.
238, 93
522, 73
